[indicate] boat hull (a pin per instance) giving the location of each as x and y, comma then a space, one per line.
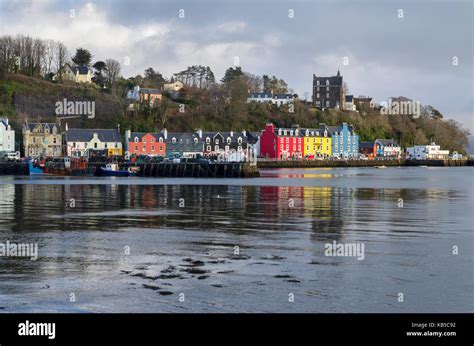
107, 173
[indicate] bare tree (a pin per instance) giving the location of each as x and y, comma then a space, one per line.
60, 58
112, 68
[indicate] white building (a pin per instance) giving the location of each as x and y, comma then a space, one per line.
7, 136
427, 152
278, 99
80, 141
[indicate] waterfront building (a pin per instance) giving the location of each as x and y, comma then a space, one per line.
427, 152
225, 145
7, 136
82, 142
281, 143
387, 148
317, 142
368, 149
328, 92
345, 142
277, 99
182, 144
42, 139
144, 143
253, 143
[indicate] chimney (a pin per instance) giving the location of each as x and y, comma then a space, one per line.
165, 133
66, 127
232, 133
244, 133
118, 127
199, 132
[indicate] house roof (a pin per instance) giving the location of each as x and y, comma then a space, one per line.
150, 91
366, 145
333, 80
81, 69
31, 126
140, 135
85, 135
270, 95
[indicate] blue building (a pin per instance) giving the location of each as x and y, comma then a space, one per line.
345, 142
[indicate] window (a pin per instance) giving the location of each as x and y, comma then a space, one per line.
226, 148
327, 104
239, 140
216, 148
208, 140
216, 141
327, 95
95, 145
161, 139
105, 145
116, 145
136, 139
74, 144
327, 81
228, 140
152, 148
342, 148
144, 140
294, 147
136, 147
317, 89
327, 88
173, 140
317, 95
54, 140
144, 148
284, 133
239, 148
153, 140
161, 148
208, 148
317, 82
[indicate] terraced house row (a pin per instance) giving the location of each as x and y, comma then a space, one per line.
322, 142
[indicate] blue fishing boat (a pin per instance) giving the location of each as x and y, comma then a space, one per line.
112, 170
35, 169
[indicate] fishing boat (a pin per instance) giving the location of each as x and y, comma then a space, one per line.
112, 170
383, 166
34, 168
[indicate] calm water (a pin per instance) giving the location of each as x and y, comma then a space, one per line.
182, 235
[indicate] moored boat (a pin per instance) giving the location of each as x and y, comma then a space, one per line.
112, 170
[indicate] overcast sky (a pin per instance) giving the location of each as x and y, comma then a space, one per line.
388, 56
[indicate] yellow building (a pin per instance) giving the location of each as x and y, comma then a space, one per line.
317, 142
42, 139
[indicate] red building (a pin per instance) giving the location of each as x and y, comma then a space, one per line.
281, 143
152, 144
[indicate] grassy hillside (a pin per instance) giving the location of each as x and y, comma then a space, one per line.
221, 107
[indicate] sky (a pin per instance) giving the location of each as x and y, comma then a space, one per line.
382, 48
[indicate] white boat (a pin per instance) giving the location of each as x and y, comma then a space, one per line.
383, 166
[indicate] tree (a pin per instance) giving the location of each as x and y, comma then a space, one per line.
100, 68
232, 74
112, 69
83, 57
60, 58
153, 79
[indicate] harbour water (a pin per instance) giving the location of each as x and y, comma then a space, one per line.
242, 245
